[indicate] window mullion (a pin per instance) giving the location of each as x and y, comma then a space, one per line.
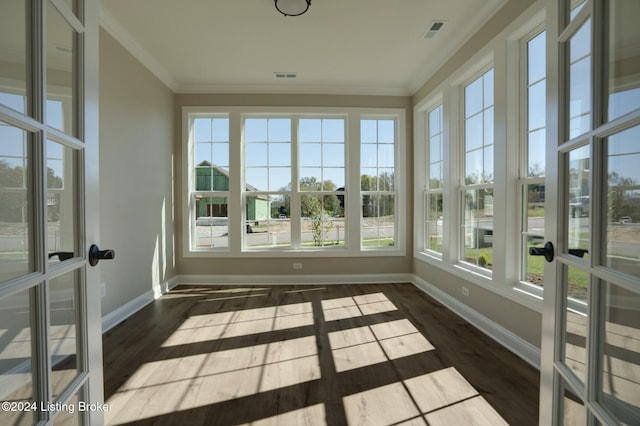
353, 195
294, 198
236, 188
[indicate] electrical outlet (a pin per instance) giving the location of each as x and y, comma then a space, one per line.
103, 289
465, 291
297, 266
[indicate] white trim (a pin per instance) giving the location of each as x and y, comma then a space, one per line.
111, 25
516, 293
308, 89
123, 312
520, 347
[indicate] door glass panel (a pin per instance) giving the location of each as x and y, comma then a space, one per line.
575, 6
623, 192
61, 55
574, 413
13, 56
16, 370
64, 295
624, 80
16, 230
73, 5
580, 81
577, 320
61, 202
621, 354
579, 199
70, 412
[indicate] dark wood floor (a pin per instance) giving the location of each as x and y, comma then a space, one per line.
328, 355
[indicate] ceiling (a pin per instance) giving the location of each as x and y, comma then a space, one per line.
338, 47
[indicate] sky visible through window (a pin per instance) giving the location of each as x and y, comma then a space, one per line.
268, 151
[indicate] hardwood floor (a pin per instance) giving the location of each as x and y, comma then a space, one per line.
304, 355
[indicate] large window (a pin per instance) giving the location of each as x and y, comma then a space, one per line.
532, 161
322, 184
378, 182
267, 166
434, 198
477, 189
266, 182
210, 199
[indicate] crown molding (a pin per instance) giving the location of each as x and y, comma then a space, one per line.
307, 89
451, 48
111, 25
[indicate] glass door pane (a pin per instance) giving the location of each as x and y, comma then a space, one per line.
16, 193
579, 66
16, 366
623, 80
623, 201
13, 45
620, 376
65, 330
61, 202
61, 59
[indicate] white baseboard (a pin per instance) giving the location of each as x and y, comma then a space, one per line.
327, 279
120, 314
520, 347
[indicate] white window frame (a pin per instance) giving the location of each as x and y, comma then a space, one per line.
523, 179
353, 208
428, 191
503, 54
463, 187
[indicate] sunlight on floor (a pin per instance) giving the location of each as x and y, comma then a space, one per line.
202, 328
222, 376
179, 381
362, 346
356, 306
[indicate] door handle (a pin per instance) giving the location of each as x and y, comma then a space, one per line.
578, 252
96, 255
546, 251
62, 255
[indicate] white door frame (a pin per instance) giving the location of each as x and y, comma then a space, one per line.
80, 394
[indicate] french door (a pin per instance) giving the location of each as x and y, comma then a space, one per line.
590, 372
50, 328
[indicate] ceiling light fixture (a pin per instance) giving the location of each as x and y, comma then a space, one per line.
292, 7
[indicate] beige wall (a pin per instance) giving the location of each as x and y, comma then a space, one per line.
136, 169
283, 266
519, 319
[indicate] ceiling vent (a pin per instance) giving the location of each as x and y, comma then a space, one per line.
433, 29
285, 75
